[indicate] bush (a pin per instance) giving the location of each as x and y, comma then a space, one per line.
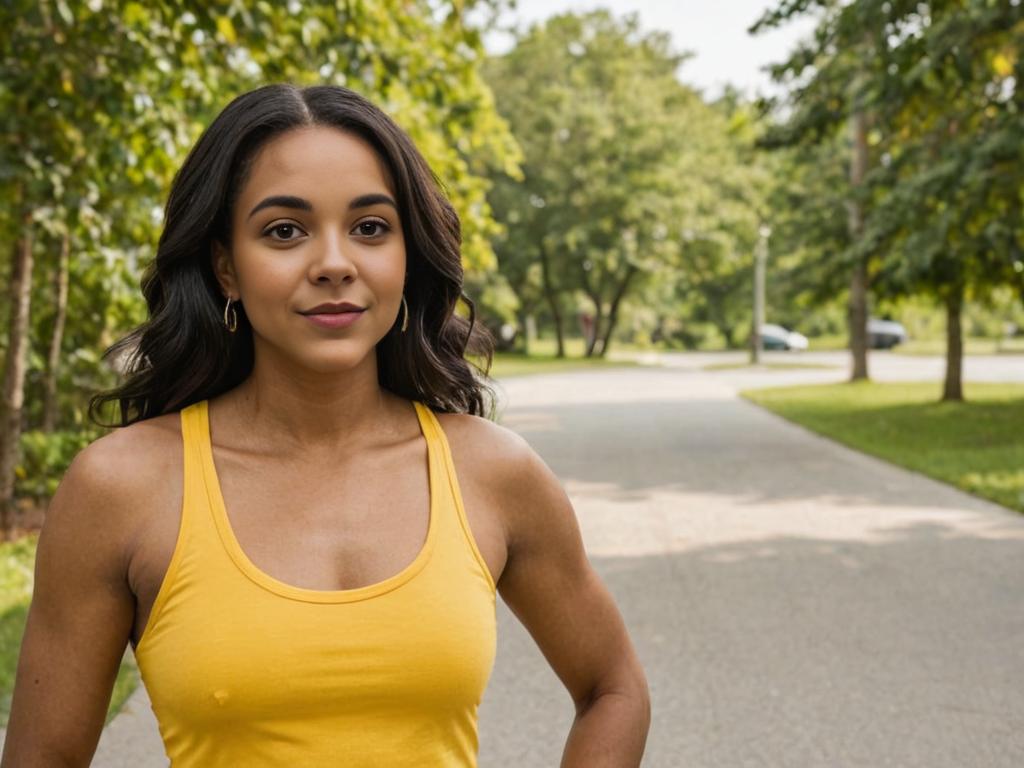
45, 457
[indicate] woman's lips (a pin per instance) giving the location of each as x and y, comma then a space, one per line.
334, 319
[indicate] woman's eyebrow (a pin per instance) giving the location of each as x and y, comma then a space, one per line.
301, 204
365, 201
282, 201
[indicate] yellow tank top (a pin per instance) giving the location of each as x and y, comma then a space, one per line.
245, 670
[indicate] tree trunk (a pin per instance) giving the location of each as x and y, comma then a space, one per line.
552, 297
953, 387
556, 315
858, 307
757, 321
595, 328
523, 320
728, 333
858, 321
50, 407
613, 313
14, 371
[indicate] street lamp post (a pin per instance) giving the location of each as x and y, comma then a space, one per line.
760, 265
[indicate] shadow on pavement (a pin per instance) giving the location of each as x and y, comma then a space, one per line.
801, 652
729, 447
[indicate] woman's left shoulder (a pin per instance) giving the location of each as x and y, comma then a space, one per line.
499, 460
485, 443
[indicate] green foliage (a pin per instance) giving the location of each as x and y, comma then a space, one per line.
632, 187
125, 683
100, 101
12, 628
17, 561
952, 170
45, 458
940, 83
17, 564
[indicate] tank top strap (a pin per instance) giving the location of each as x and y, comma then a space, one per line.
194, 433
448, 485
196, 514
193, 525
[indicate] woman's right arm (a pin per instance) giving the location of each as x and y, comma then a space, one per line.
80, 618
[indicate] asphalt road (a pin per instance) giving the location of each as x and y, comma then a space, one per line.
882, 366
794, 603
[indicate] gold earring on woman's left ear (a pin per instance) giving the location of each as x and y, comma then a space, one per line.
405, 316
231, 324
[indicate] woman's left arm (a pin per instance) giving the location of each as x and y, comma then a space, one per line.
552, 588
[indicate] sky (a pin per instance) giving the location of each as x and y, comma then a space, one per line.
715, 31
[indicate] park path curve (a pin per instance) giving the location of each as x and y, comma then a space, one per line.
795, 603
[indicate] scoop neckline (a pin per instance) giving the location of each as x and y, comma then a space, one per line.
273, 584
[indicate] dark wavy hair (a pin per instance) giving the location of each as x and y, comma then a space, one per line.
182, 353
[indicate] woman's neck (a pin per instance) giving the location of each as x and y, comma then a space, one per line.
298, 411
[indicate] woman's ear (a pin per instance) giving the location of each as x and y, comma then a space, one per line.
224, 270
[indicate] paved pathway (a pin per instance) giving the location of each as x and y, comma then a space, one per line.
883, 366
795, 603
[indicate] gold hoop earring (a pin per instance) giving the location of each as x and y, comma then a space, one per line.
231, 325
405, 316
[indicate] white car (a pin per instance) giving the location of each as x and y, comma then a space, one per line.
885, 334
777, 337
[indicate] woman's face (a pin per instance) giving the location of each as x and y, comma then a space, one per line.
316, 222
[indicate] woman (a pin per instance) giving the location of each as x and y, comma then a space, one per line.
303, 521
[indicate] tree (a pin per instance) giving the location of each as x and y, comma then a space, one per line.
832, 77
619, 166
949, 213
936, 111
100, 101
715, 270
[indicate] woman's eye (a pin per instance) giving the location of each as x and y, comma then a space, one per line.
371, 228
283, 232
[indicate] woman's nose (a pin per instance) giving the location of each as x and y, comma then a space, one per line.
332, 260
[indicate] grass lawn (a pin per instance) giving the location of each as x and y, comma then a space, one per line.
507, 364
17, 562
978, 446
542, 359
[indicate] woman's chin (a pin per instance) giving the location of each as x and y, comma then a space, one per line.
342, 361
328, 360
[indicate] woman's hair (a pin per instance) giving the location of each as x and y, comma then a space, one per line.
183, 353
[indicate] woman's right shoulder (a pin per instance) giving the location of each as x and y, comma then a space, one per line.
116, 477
126, 455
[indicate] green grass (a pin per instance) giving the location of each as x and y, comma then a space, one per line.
508, 364
977, 446
770, 366
542, 359
575, 346
17, 562
827, 343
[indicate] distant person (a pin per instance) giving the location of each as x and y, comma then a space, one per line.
300, 523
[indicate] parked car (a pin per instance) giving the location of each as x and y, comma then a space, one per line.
777, 337
885, 334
